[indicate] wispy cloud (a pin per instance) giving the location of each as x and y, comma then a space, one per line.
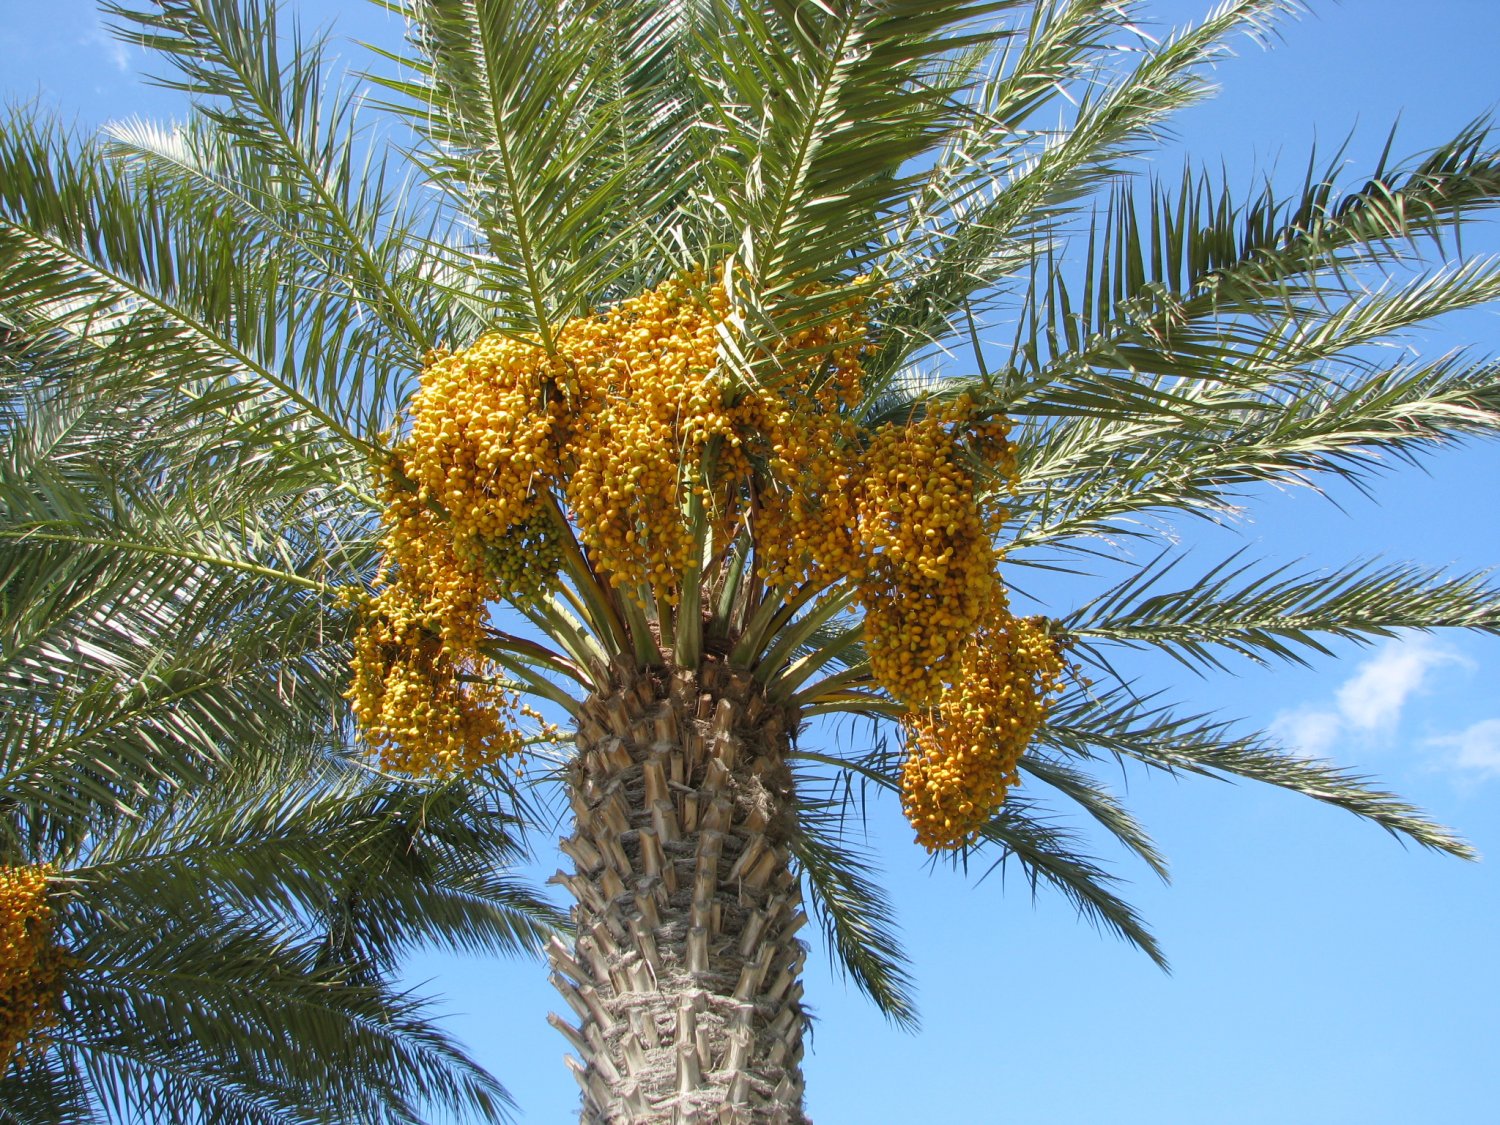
1475, 750
1370, 702
1375, 696
117, 53
1309, 731
1366, 709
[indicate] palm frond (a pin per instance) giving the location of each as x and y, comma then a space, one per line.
1092, 797
1097, 476
1054, 855
392, 864
232, 945
820, 109
46, 1090
1280, 613
1048, 852
521, 108
94, 252
1020, 194
129, 671
1196, 300
853, 909
234, 895
285, 142
1154, 265
1125, 725
191, 1018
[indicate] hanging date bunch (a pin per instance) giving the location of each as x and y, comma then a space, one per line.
963, 752
31, 964
912, 520
609, 431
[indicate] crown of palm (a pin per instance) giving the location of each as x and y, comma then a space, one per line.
264, 283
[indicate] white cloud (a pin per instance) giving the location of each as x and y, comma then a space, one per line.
1309, 731
1373, 698
1371, 701
1475, 749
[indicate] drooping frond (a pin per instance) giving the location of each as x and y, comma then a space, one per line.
46, 1090
189, 1018
854, 910
151, 624
1094, 798
1054, 855
1025, 832
231, 894
1125, 725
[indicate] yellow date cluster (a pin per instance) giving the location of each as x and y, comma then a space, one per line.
962, 752
487, 431
664, 427
424, 696
927, 543
897, 512
657, 430
629, 419
614, 430
31, 964
804, 513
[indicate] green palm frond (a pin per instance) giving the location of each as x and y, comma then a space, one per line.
820, 109
1128, 726
1279, 613
533, 128
104, 718
46, 1090
391, 863
1054, 855
855, 913
1100, 476
1196, 304
652, 138
196, 1018
286, 151
108, 256
1162, 259
234, 895
138, 640
229, 948
1049, 852
1019, 178
1093, 798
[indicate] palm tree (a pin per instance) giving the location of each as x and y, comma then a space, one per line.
705, 448
206, 898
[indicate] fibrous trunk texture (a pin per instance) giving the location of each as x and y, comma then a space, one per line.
685, 978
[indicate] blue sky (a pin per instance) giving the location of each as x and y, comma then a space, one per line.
1323, 973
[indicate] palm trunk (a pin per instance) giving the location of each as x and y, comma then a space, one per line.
685, 974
